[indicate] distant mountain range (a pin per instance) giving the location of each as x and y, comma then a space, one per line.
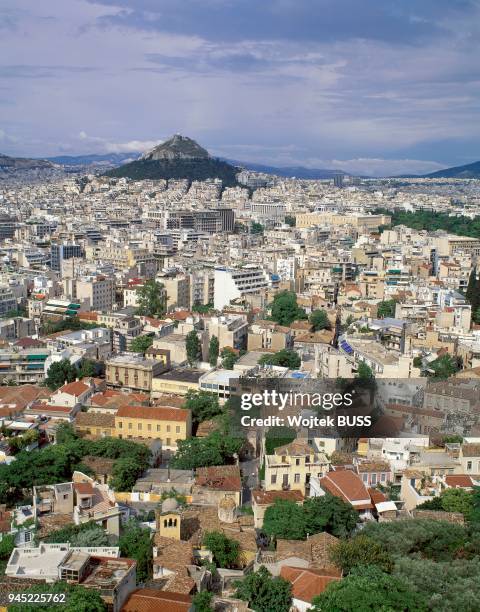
299, 172
178, 157
22, 163
469, 171
182, 157
106, 159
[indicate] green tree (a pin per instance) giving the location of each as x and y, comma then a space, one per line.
417, 361
475, 513
364, 371
284, 519
265, 593
204, 405
213, 351
225, 551
86, 534
436, 540
451, 500
368, 589
386, 309
443, 367
319, 320
256, 228
285, 310
194, 352
125, 473
7, 544
472, 294
360, 550
87, 368
278, 436
215, 449
291, 221
285, 358
151, 299
136, 543
445, 586
202, 601
141, 344
229, 358
203, 308
331, 514
59, 373
78, 599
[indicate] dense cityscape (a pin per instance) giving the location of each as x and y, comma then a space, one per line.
239, 306
132, 313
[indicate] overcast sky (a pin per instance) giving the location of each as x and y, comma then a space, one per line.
369, 86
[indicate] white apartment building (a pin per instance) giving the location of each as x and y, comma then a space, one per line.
233, 283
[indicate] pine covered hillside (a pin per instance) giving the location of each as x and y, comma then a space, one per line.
179, 157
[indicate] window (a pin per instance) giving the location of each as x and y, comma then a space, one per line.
169, 441
139, 426
149, 427
120, 425
374, 479
297, 478
168, 428
469, 465
365, 477
273, 480
177, 429
297, 461
129, 426
383, 477
158, 427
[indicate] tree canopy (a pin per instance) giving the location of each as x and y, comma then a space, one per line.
285, 519
203, 404
59, 373
57, 462
151, 299
319, 320
360, 550
265, 593
285, 358
368, 589
141, 344
135, 542
193, 348
451, 500
285, 310
229, 358
386, 309
443, 367
213, 351
215, 449
225, 551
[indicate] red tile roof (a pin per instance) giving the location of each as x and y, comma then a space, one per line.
348, 486
159, 413
376, 496
269, 497
220, 477
152, 600
459, 481
308, 583
75, 388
